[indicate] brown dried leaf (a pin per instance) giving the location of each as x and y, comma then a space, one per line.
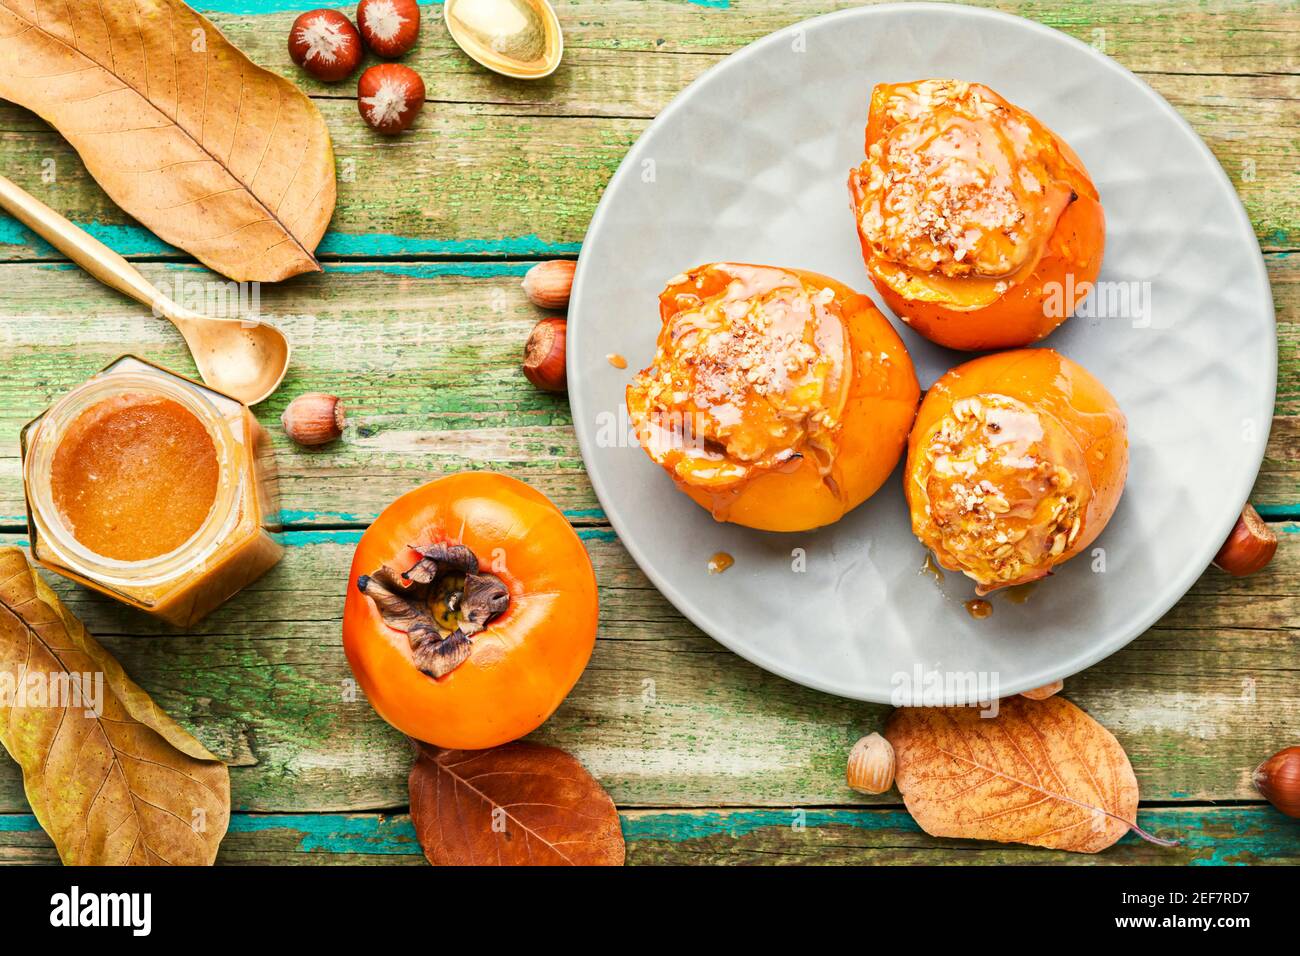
1041, 772
515, 805
214, 154
125, 787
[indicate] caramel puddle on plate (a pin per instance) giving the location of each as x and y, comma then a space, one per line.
931, 569
978, 608
1019, 593
720, 562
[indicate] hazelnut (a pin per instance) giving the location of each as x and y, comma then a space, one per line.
1249, 547
313, 418
389, 96
325, 44
871, 765
544, 355
1278, 779
1044, 692
547, 284
389, 27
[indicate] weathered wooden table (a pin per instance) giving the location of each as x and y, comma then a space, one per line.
418, 321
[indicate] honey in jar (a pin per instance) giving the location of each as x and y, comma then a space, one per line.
151, 488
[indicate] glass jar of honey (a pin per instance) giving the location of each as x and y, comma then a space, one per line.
153, 489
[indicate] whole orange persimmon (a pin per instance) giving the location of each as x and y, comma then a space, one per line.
471, 611
778, 398
1015, 464
980, 227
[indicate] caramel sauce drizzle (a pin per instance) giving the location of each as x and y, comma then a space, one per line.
749, 377
960, 193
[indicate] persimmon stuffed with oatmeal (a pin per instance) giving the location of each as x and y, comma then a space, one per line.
980, 227
1015, 464
778, 399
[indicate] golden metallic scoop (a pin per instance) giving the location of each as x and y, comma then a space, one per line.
517, 38
241, 357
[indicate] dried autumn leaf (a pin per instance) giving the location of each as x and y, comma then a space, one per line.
515, 805
1041, 772
125, 785
214, 154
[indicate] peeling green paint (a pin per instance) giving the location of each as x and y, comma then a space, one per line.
1208, 836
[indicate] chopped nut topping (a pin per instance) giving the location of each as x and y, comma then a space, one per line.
960, 183
1003, 491
749, 375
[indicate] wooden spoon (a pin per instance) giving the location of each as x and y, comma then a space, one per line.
244, 358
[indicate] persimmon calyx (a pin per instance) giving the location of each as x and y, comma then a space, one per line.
440, 602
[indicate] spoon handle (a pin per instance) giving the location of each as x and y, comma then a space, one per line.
81, 247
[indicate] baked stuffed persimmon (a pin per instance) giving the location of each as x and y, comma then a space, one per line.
1015, 464
979, 226
778, 399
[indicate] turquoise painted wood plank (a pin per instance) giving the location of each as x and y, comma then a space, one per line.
1208, 836
478, 269
304, 538
132, 240
295, 517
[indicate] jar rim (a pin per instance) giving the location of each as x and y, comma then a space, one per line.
47, 433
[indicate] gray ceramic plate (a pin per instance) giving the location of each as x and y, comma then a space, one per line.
749, 164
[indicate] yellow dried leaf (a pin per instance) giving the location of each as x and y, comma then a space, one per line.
1041, 772
216, 155
120, 785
